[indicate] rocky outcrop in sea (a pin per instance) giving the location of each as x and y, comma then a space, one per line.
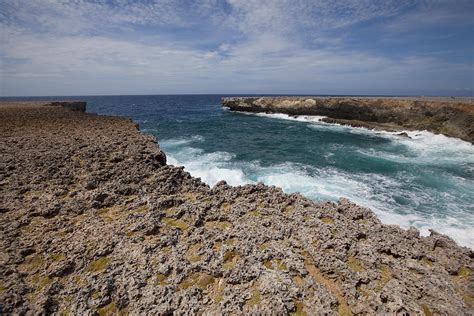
93, 221
449, 116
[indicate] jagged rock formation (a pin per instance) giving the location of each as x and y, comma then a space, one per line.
93, 221
71, 105
452, 117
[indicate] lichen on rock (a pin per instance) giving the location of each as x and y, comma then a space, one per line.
124, 232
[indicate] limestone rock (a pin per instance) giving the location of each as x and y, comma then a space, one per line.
82, 232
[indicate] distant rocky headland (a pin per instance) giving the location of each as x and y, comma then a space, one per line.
442, 115
94, 221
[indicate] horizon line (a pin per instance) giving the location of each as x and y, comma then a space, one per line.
241, 94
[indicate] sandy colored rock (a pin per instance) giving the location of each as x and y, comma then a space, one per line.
93, 221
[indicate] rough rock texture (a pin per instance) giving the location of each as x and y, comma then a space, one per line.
452, 117
72, 105
93, 221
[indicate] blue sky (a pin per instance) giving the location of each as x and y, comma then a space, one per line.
78, 47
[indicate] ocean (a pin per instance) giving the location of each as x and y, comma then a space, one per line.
426, 181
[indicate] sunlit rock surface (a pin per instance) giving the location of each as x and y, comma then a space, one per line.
449, 116
94, 221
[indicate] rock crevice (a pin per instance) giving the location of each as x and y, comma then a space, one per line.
93, 221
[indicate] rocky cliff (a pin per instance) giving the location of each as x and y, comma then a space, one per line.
93, 221
452, 117
71, 105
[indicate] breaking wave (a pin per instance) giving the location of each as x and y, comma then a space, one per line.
396, 199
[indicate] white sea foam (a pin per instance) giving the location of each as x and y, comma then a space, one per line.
281, 116
426, 146
375, 191
175, 142
424, 142
210, 167
437, 148
330, 184
148, 130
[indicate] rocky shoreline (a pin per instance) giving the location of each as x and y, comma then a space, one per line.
452, 117
93, 221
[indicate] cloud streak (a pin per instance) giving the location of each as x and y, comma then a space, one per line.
235, 46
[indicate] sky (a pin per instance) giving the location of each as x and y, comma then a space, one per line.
358, 47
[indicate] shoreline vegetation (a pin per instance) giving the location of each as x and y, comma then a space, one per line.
93, 220
450, 116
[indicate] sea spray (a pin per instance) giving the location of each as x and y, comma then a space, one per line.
426, 180
396, 197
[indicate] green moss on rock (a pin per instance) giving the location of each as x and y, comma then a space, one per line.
175, 223
327, 220
197, 279
98, 264
355, 264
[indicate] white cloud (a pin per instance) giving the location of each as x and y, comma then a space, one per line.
435, 14
288, 16
52, 47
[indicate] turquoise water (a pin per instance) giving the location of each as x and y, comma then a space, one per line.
426, 181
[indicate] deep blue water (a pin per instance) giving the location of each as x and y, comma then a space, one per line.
426, 181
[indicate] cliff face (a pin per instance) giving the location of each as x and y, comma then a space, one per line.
71, 105
92, 220
451, 117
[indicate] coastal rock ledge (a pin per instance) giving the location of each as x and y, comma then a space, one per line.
93, 221
441, 115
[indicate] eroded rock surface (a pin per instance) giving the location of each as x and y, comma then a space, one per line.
449, 116
93, 221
